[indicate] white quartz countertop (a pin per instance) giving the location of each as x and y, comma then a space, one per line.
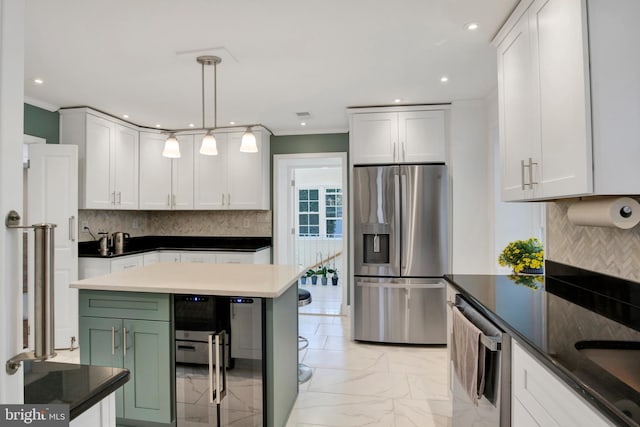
244, 280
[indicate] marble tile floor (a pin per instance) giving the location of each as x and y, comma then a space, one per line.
325, 299
358, 384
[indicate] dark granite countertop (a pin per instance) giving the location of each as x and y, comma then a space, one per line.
79, 386
550, 314
138, 245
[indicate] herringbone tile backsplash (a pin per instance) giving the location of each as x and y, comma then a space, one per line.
607, 250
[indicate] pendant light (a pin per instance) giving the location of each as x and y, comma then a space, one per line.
248, 144
171, 147
208, 146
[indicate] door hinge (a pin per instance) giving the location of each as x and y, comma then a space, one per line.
27, 165
293, 182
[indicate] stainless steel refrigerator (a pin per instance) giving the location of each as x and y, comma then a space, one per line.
400, 253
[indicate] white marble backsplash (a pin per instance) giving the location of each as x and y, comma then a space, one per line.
176, 223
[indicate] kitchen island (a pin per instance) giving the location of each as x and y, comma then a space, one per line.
142, 297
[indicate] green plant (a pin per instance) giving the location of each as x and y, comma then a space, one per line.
322, 271
333, 271
522, 254
310, 273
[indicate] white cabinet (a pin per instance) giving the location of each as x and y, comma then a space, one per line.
199, 257
541, 399
91, 267
167, 256
107, 158
101, 414
397, 135
165, 183
565, 122
150, 258
232, 179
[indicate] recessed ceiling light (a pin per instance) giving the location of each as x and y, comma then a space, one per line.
444, 79
157, 126
397, 100
125, 116
471, 26
191, 125
303, 123
232, 123
38, 81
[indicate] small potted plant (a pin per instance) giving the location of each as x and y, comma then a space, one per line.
313, 275
322, 271
523, 256
303, 278
334, 276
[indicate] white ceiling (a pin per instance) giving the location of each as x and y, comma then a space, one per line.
279, 57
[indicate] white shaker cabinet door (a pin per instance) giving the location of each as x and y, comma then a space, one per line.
375, 138
182, 175
125, 159
519, 137
99, 169
245, 180
155, 173
210, 176
421, 136
565, 111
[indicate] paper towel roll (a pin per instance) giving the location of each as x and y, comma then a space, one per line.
621, 212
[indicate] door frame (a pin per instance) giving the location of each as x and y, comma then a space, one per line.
283, 199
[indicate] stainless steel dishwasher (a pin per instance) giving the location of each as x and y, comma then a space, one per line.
494, 406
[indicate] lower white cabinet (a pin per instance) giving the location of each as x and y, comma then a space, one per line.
102, 414
541, 399
198, 257
91, 267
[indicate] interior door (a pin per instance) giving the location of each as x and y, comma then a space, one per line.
52, 186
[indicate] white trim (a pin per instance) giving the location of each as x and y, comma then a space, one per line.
30, 139
41, 104
398, 108
310, 132
283, 164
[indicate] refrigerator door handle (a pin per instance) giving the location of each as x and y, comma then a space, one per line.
407, 285
403, 221
396, 214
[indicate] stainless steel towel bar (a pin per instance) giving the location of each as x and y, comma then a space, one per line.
491, 342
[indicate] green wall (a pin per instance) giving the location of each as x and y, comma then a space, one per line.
42, 123
321, 143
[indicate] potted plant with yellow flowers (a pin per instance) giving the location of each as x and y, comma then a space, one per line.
523, 256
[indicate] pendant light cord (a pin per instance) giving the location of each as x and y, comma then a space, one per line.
203, 124
215, 95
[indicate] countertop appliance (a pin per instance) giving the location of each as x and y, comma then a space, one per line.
494, 406
400, 215
211, 386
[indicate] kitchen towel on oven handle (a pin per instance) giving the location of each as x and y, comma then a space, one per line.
467, 356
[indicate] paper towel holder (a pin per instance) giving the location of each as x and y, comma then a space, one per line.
615, 211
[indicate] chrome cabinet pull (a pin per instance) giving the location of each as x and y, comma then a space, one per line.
72, 228
531, 164
217, 375
394, 150
169, 200
173, 200
522, 166
228, 199
222, 199
113, 197
113, 340
124, 340
404, 151
119, 197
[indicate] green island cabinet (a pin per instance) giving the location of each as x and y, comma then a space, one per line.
132, 330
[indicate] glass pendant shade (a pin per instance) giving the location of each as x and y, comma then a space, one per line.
209, 146
248, 144
171, 148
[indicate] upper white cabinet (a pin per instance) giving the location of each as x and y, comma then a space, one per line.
397, 135
107, 158
232, 179
165, 183
566, 95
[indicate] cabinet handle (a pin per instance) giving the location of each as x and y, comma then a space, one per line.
113, 340
169, 200
531, 164
124, 340
113, 197
72, 228
228, 199
119, 197
394, 151
522, 166
173, 200
222, 199
217, 375
404, 151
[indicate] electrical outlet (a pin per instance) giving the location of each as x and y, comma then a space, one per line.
85, 225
